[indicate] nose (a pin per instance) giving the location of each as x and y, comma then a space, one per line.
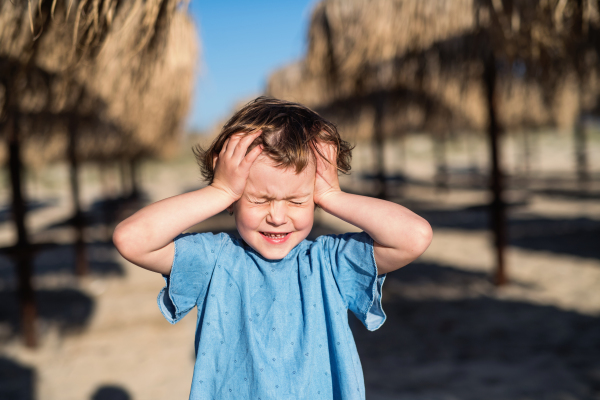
277, 213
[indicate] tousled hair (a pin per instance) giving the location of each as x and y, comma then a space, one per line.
290, 132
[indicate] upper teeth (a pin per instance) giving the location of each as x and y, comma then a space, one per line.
275, 235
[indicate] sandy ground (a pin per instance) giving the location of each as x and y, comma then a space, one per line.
450, 333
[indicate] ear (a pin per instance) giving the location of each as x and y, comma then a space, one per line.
214, 161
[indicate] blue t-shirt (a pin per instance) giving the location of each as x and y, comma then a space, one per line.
275, 329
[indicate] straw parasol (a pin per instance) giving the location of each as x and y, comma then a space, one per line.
126, 110
45, 45
484, 62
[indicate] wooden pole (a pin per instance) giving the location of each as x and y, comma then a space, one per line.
497, 207
81, 262
24, 260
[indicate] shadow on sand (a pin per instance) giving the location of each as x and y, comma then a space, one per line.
17, 382
60, 259
110, 392
447, 336
572, 236
67, 309
33, 205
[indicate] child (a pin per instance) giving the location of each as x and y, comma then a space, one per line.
272, 306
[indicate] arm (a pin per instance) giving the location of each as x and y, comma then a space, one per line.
146, 237
399, 235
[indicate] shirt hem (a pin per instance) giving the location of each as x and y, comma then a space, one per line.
374, 316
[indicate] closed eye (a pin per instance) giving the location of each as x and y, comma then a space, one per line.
297, 203
259, 202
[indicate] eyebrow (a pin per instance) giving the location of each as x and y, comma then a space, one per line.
265, 196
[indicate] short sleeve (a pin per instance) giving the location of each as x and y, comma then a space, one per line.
354, 269
193, 264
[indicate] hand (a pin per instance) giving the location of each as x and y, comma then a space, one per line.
326, 180
233, 164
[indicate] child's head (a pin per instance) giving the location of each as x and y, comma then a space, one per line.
276, 210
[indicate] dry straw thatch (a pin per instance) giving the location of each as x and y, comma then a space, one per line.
83, 24
425, 58
129, 91
150, 101
348, 38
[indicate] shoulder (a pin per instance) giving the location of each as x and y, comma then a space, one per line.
205, 241
350, 247
330, 246
199, 237
348, 237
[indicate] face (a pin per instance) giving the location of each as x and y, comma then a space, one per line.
276, 210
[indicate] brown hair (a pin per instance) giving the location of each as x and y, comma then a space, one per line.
290, 132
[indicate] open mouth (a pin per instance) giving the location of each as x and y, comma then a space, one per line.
276, 237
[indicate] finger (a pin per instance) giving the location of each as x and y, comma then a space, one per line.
329, 151
322, 167
244, 143
252, 155
322, 156
232, 142
224, 148
322, 149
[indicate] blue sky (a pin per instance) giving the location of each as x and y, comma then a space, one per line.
242, 43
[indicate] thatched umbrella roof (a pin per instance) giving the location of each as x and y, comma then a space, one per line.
148, 97
135, 83
83, 26
349, 39
62, 49
429, 54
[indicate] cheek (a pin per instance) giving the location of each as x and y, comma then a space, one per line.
249, 218
303, 218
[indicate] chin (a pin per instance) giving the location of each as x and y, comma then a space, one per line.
272, 251
274, 255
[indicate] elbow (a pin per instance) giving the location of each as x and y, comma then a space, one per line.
119, 239
423, 235
123, 240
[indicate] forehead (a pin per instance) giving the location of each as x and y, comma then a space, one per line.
268, 180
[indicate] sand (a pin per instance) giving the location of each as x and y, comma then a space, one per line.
450, 333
